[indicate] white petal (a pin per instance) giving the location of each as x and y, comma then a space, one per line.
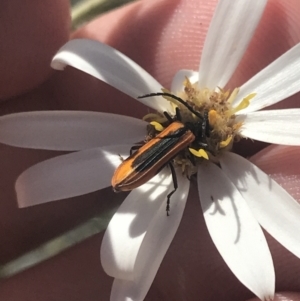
112, 67
69, 130
235, 232
271, 205
275, 126
127, 228
179, 78
132, 225
69, 175
229, 34
158, 237
276, 82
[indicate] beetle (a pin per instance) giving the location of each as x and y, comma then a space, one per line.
160, 151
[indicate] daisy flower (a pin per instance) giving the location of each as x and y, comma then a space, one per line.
237, 198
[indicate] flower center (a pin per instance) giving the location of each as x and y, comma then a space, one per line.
215, 126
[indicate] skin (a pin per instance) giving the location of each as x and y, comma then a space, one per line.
192, 269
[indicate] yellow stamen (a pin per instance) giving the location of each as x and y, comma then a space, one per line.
226, 142
233, 95
164, 90
243, 104
213, 116
168, 98
156, 117
201, 153
158, 127
226, 94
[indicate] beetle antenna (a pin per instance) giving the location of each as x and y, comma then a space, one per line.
176, 98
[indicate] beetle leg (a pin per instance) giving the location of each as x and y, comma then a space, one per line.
175, 183
172, 119
167, 115
134, 148
178, 115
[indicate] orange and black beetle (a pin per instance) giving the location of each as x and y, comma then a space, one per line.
160, 151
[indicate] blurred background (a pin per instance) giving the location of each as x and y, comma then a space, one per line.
85, 10
82, 11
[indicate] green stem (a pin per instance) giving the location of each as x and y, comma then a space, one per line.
57, 245
85, 10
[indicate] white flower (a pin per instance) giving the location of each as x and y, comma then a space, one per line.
235, 199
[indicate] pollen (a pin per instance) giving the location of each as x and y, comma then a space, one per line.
157, 117
158, 127
217, 105
201, 153
226, 142
244, 103
213, 116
